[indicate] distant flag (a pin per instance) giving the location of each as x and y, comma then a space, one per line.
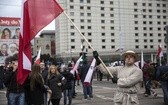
36, 14
160, 53
37, 61
142, 60
119, 50
90, 73
76, 66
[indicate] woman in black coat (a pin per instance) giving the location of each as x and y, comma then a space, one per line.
35, 87
55, 82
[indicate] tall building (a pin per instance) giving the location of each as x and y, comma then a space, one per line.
112, 24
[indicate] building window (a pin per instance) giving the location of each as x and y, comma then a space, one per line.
144, 10
103, 40
101, 2
71, 27
71, 7
150, 28
111, 2
137, 47
151, 40
135, 16
72, 40
112, 34
89, 14
71, 0
112, 40
81, 14
72, 47
82, 20
144, 28
144, 16
151, 34
136, 34
135, 22
136, 28
159, 29
89, 40
151, 46
82, 27
81, 7
72, 34
102, 21
89, 34
158, 5
81, 1
113, 47
112, 28
103, 47
102, 8
111, 9
145, 34
135, 10
135, 4
111, 15
88, 8
136, 40
158, 16
158, 11
150, 4
103, 27
159, 34
143, 4
159, 40
145, 40
158, 22
89, 20
150, 16
103, 34
150, 10
88, 1
89, 27
111, 21
102, 15
144, 22
145, 46
150, 22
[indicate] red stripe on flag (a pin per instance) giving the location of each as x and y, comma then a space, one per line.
36, 15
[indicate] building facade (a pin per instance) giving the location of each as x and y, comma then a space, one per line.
109, 25
46, 41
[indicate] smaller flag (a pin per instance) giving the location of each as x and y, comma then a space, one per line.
37, 61
119, 50
160, 51
142, 60
76, 66
90, 73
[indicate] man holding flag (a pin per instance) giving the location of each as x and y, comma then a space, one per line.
87, 86
129, 79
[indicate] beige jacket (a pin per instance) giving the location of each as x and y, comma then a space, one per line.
128, 83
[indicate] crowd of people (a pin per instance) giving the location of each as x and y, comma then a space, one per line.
47, 84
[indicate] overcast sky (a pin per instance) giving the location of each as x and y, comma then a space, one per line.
12, 8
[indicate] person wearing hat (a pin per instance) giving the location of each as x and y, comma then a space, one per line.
129, 78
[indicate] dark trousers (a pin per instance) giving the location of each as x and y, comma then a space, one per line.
55, 101
165, 91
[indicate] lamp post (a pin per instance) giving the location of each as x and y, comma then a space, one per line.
166, 42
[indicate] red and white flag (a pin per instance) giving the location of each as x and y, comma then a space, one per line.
37, 61
90, 73
36, 14
160, 51
76, 66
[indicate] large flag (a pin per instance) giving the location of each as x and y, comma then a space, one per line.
37, 61
90, 73
36, 14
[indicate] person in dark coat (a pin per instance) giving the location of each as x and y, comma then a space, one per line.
35, 87
87, 89
164, 83
68, 86
55, 82
15, 92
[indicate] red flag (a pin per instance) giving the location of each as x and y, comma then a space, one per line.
37, 61
160, 51
36, 14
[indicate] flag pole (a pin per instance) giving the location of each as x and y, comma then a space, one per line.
87, 42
